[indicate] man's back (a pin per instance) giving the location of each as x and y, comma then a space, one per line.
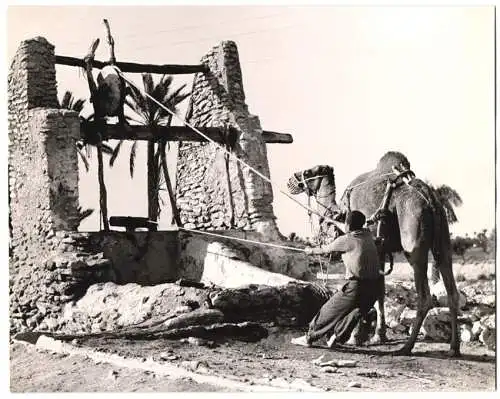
359, 254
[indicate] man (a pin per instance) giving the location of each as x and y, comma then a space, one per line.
339, 316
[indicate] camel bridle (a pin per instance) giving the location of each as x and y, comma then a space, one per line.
294, 184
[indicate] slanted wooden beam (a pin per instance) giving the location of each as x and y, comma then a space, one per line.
169, 69
175, 133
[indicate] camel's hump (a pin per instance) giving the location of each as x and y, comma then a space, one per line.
390, 159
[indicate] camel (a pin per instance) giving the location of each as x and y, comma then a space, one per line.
410, 218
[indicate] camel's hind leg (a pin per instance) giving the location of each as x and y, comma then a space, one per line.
418, 260
380, 330
444, 263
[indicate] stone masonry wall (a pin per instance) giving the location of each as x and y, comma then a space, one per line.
218, 100
43, 193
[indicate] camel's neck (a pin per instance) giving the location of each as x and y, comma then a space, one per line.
325, 198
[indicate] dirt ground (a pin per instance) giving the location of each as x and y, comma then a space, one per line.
272, 361
34, 370
274, 358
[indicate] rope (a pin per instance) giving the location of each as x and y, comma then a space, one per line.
241, 239
226, 151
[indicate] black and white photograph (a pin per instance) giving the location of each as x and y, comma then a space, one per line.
260, 198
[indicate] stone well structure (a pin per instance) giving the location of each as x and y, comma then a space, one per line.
203, 194
52, 264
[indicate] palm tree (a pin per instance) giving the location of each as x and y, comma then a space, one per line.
449, 198
69, 101
147, 112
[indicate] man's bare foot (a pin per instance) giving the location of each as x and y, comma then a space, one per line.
331, 343
302, 341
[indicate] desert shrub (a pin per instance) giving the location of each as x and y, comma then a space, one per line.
460, 245
481, 240
460, 277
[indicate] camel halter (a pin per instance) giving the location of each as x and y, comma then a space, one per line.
294, 184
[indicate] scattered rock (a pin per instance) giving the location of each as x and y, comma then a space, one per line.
167, 356
437, 325
488, 321
301, 384
112, 375
407, 317
339, 363
484, 299
488, 337
438, 291
466, 334
393, 314
477, 327
481, 311
182, 309
354, 384
195, 365
198, 342
318, 360
330, 369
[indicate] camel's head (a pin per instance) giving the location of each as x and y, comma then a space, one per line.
310, 180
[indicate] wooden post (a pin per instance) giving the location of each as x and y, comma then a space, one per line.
111, 42
171, 194
100, 122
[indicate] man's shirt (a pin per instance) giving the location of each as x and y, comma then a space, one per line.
359, 254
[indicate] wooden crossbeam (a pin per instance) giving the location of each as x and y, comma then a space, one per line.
169, 69
175, 133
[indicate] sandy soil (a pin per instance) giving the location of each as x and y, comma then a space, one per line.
275, 361
272, 361
34, 370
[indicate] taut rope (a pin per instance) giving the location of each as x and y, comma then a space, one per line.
262, 176
242, 239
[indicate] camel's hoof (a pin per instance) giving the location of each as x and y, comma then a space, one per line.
401, 352
454, 353
378, 339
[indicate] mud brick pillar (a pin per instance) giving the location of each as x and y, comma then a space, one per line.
43, 177
218, 100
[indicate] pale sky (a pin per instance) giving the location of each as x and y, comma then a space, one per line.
349, 83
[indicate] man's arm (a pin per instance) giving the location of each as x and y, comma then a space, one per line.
340, 244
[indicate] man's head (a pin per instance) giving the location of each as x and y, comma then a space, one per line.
355, 220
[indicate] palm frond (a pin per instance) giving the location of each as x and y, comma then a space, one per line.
84, 159
448, 194
106, 149
67, 100
133, 150
136, 101
147, 80
116, 151
176, 97
78, 105
86, 213
132, 119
